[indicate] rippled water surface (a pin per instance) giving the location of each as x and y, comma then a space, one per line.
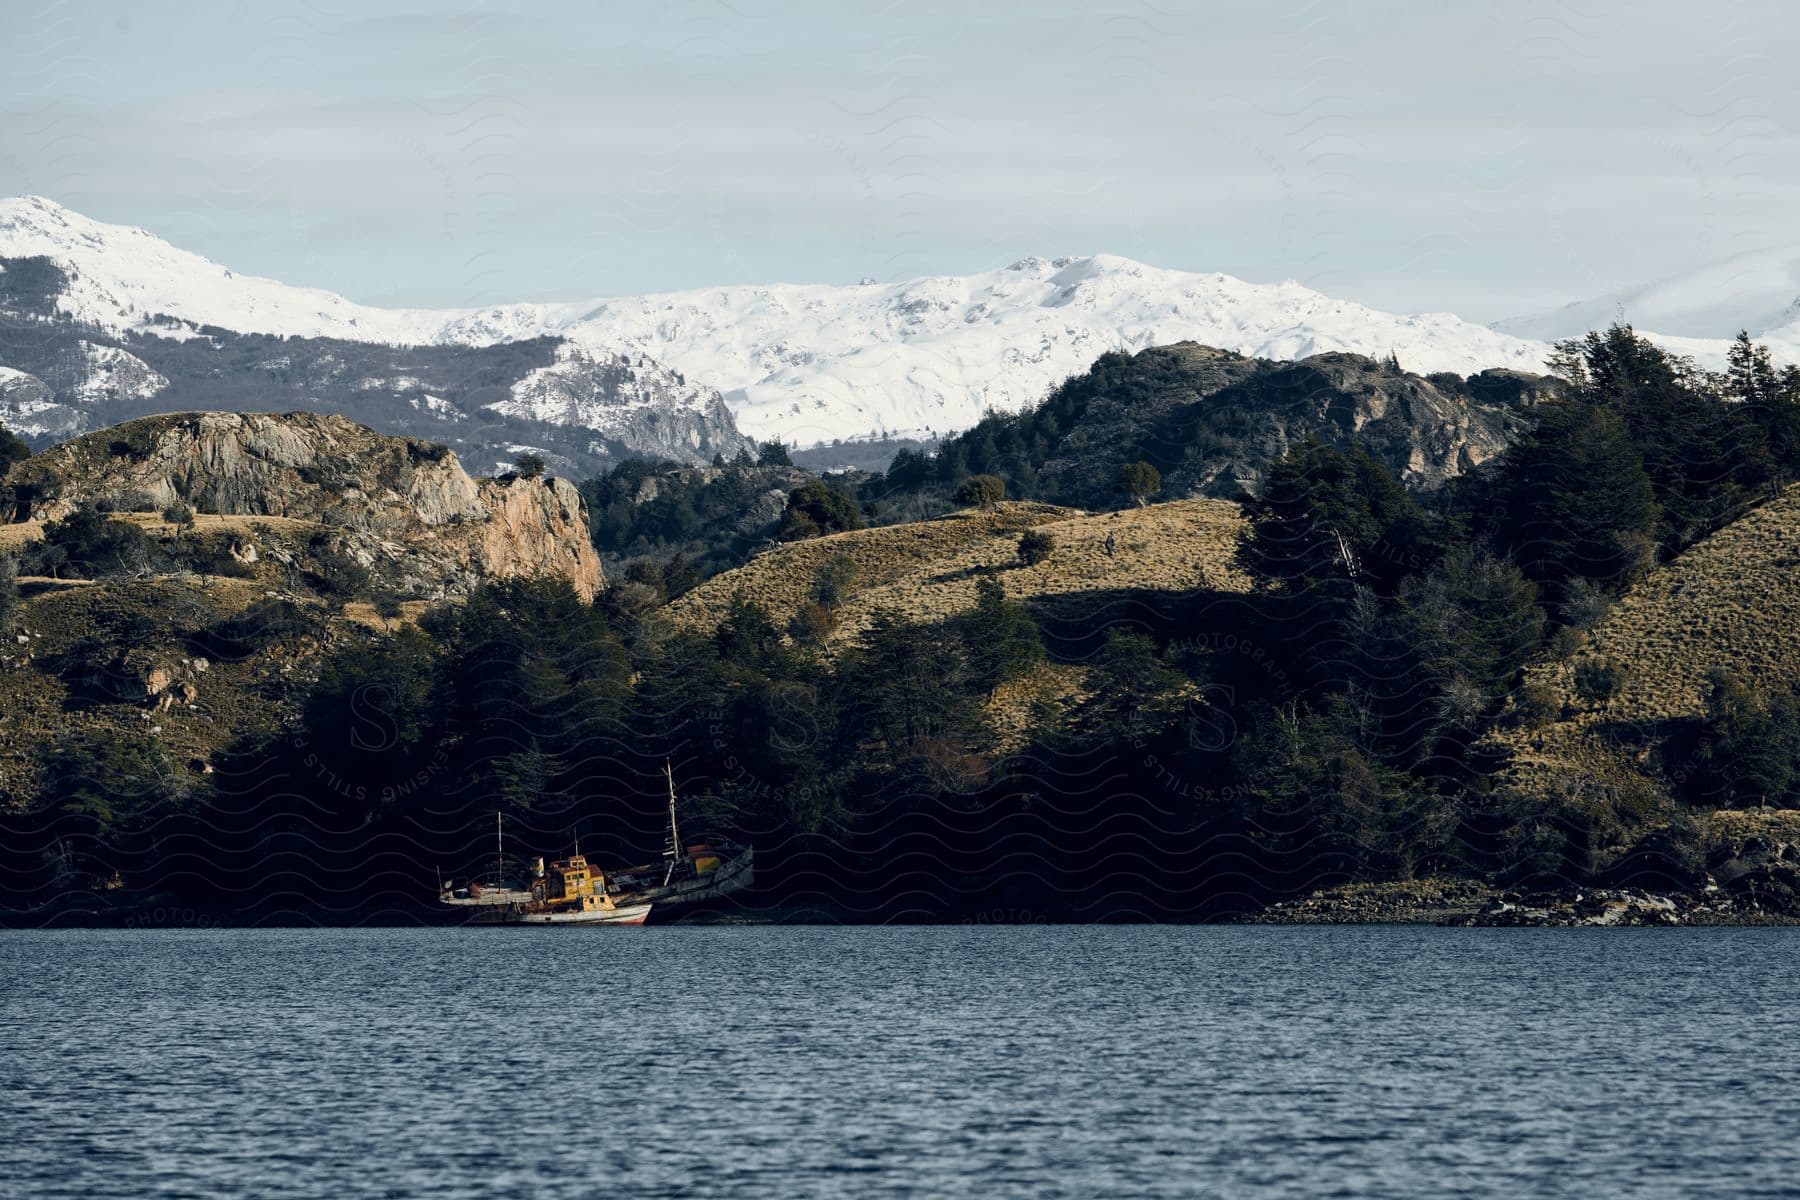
985, 1060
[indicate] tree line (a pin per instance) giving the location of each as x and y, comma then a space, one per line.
1224, 748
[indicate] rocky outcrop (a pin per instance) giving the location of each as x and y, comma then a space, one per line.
28, 406
534, 526
1766, 894
630, 402
1212, 421
403, 508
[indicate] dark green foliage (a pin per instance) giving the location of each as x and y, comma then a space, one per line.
668, 578
702, 516
265, 623
773, 454
1329, 519
911, 692
104, 792
374, 714
834, 581
1597, 680
12, 451
1001, 640
336, 572
1316, 795
9, 595
1013, 446
909, 470
89, 545
1749, 747
1574, 502
1035, 546
179, 513
1139, 481
818, 508
1770, 399
747, 637
1136, 691
981, 491
1468, 626
1642, 457
529, 466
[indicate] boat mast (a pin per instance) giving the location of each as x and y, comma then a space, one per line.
499, 852
673, 853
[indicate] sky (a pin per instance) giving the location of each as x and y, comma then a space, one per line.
1485, 159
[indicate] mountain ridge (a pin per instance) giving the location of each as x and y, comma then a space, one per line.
807, 363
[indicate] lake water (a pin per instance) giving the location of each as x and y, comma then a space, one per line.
991, 1061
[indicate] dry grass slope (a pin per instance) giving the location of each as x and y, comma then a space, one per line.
928, 571
1733, 601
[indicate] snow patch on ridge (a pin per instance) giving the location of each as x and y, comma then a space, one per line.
595, 389
811, 363
109, 373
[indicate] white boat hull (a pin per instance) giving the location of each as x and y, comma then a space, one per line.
624, 914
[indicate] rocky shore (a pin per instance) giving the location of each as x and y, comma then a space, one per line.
1463, 902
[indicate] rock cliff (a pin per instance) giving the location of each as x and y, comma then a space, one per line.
631, 404
403, 508
1212, 421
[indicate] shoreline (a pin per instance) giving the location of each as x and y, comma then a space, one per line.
1438, 902
1461, 903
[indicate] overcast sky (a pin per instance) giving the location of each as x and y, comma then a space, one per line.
1483, 158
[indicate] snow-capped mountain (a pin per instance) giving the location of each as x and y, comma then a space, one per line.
813, 362
100, 323
804, 362
1696, 312
121, 279
810, 363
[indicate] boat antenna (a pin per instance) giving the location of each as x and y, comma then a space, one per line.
673, 853
499, 852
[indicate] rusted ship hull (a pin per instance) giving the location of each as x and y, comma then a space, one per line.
733, 874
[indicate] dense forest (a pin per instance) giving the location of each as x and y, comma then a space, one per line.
1229, 750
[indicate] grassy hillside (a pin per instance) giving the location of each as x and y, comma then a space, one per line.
1730, 602
928, 571
144, 659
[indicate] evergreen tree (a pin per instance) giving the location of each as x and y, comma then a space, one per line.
1000, 639
1575, 502
1139, 481
1035, 546
818, 508
981, 491
908, 471
1749, 751
1331, 519
911, 686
